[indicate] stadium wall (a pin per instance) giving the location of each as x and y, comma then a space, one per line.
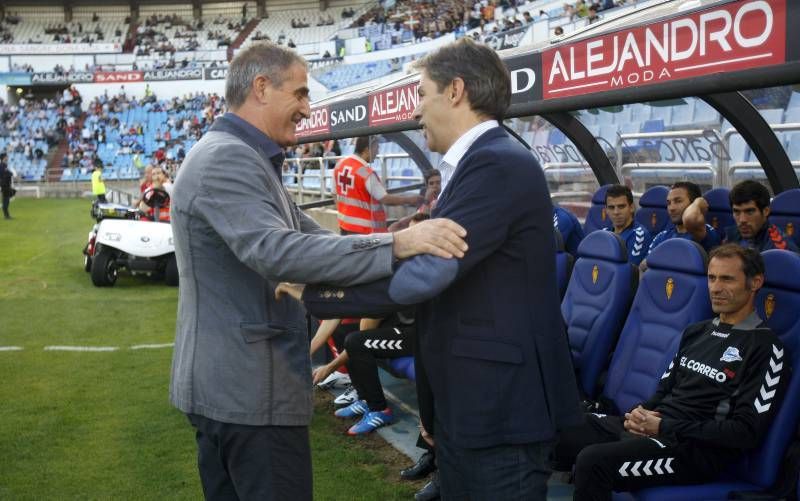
164, 90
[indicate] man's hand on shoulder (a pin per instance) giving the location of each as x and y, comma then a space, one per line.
694, 219
438, 237
287, 289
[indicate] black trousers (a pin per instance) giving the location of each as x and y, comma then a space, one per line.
6, 201
607, 458
240, 462
364, 347
517, 472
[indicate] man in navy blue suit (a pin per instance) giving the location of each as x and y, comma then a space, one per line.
492, 343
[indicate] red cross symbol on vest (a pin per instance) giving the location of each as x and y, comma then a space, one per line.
345, 180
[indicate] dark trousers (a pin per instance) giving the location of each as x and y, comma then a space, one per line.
607, 458
364, 347
508, 472
240, 462
6, 201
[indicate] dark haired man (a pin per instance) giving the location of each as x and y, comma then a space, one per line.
500, 375
6, 190
620, 209
714, 402
686, 208
360, 195
750, 205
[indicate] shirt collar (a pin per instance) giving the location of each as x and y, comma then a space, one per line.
254, 137
462, 144
749, 323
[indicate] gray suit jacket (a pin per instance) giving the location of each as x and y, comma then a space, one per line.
240, 356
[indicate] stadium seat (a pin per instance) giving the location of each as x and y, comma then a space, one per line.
600, 291
777, 303
564, 262
785, 212
672, 294
652, 211
402, 367
596, 219
719, 208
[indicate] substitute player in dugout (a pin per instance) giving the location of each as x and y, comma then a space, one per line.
714, 402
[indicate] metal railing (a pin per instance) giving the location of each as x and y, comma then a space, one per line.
322, 168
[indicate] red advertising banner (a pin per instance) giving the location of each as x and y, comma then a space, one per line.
118, 76
730, 37
389, 106
317, 123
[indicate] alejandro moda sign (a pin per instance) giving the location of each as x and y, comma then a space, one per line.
349, 114
215, 73
51, 78
317, 123
731, 37
393, 105
177, 74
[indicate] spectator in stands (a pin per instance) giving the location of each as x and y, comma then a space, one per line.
558, 31
235, 228
750, 204
620, 209
707, 410
569, 227
6, 190
686, 208
98, 186
360, 195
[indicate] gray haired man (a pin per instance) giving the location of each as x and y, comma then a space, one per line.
241, 369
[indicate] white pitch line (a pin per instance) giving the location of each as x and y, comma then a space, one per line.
81, 348
152, 346
11, 348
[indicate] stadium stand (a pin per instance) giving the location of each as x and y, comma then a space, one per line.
597, 299
46, 25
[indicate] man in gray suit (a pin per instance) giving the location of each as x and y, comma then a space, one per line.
241, 369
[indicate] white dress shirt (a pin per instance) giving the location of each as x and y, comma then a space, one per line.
457, 151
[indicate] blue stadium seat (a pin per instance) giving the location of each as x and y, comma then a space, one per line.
652, 211
564, 263
785, 212
777, 303
672, 294
719, 208
402, 367
600, 291
596, 218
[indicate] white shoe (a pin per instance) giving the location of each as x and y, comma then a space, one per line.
349, 396
336, 379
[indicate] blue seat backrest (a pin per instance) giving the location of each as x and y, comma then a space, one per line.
672, 294
777, 303
785, 212
719, 214
652, 211
564, 262
597, 299
403, 367
596, 218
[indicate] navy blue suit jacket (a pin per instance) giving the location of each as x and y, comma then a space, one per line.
492, 339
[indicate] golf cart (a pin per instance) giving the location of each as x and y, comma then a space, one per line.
125, 238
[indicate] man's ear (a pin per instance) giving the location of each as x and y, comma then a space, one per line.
456, 91
756, 282
261, 88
